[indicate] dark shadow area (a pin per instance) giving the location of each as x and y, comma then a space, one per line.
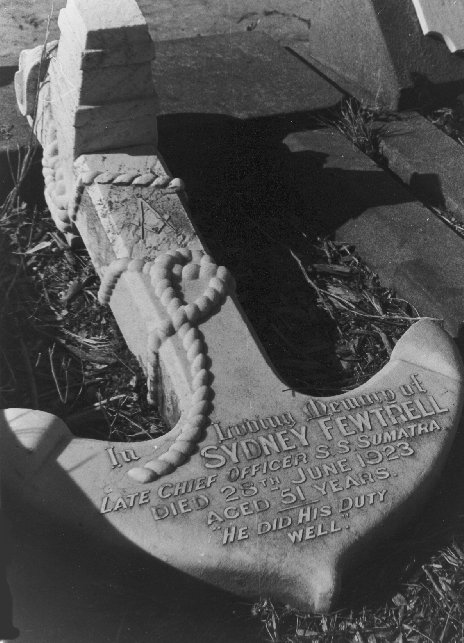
32, 189
426, 71
425, 95
77, 579
7, 629
431, 526
399, 558
428, 188
240, 173
257, 205
7, 74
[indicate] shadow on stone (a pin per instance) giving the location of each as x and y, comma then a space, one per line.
398, 558
80, 580
428, 187
232, 166
32, 190
7, 74
426, 95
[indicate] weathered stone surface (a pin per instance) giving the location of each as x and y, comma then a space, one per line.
118, 51
106, 25
271, 82
445, 19
274, 491
35, 61
284, 489
413, 251
407, 144
380, 47
7, 629
262, 78
105, 85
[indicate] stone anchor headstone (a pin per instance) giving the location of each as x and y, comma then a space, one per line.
256, 489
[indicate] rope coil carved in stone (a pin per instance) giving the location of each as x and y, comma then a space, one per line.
56, 192
183, 319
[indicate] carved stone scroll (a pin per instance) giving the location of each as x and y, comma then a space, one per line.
273, 491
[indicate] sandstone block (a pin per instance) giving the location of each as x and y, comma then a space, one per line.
382, 55
445, 19
108, 24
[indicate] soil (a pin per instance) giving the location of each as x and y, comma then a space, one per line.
24, 22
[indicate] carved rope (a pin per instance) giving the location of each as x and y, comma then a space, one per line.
149, 179
57, 195
183, 264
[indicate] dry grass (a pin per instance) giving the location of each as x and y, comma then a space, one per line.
450, 120
360, 125
61, 351
429, 607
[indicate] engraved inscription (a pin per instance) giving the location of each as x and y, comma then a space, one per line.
307, 474
310, 474
118, 458
129, 501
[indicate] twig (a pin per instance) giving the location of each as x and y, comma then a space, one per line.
55, 379
30, 374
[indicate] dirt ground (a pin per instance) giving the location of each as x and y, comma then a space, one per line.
23, 22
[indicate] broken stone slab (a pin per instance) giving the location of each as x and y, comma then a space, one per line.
406, 144
445, 20
189, 76
382, 57
414, 253
275, 491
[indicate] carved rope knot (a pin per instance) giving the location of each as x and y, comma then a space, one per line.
182, 319
57, 194
148, 179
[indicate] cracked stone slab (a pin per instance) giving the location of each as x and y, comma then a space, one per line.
406, 144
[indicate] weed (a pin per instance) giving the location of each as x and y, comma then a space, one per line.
450, 120
359, 124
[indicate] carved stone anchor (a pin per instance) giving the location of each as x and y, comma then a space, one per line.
272, 491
